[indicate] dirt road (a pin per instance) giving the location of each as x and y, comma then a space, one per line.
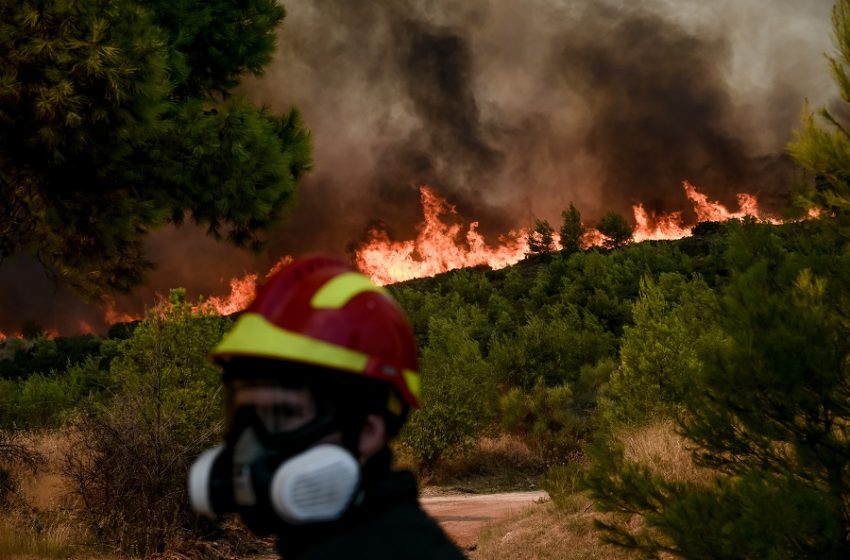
463, 516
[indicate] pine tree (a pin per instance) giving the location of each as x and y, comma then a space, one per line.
541, 238
658, 354
768, 411
826, 153
116, 119
616, 230
572, 230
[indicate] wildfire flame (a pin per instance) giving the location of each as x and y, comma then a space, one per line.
671, 226
592, 238
242, 292
708, 211
112, 316
665, 226
288, 259
438, 247
442, 244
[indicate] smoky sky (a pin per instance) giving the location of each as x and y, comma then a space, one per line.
658, 108
510, 110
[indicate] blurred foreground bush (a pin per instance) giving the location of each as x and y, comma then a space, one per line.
130, 457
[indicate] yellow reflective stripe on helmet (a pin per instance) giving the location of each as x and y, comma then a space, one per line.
339, 291
411, 378
253, 335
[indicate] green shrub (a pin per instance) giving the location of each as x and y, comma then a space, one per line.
43, 399
659, 353
563, 482
547, 418
551, 347
616, 229
46, 400
457, 392
768, 412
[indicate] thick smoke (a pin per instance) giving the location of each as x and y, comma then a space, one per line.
658, 108
510, 110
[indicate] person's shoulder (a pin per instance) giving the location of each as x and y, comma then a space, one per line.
404, 531
412, 525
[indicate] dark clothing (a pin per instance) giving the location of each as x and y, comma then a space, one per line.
387, 523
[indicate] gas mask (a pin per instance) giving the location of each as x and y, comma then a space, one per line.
270, 477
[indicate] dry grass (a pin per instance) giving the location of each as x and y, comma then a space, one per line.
565, 532
44, 521
498, 464
38, 523
47, 489
503, 463
547, 533
666, 453
20, 537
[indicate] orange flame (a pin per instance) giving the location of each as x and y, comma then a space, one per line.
113, 316
285, 260
665, 226
671, 226
708, 211
242, 292
439, 247
592, 238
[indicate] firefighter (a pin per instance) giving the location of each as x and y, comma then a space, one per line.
319, 375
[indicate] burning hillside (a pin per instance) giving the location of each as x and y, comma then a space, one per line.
445, 241
442, 244
601, 102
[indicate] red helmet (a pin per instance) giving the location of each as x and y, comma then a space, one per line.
322, 312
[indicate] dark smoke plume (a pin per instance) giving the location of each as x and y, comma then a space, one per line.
658, 109
510, 110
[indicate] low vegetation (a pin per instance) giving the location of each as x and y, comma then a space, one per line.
564, 528
544, 374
